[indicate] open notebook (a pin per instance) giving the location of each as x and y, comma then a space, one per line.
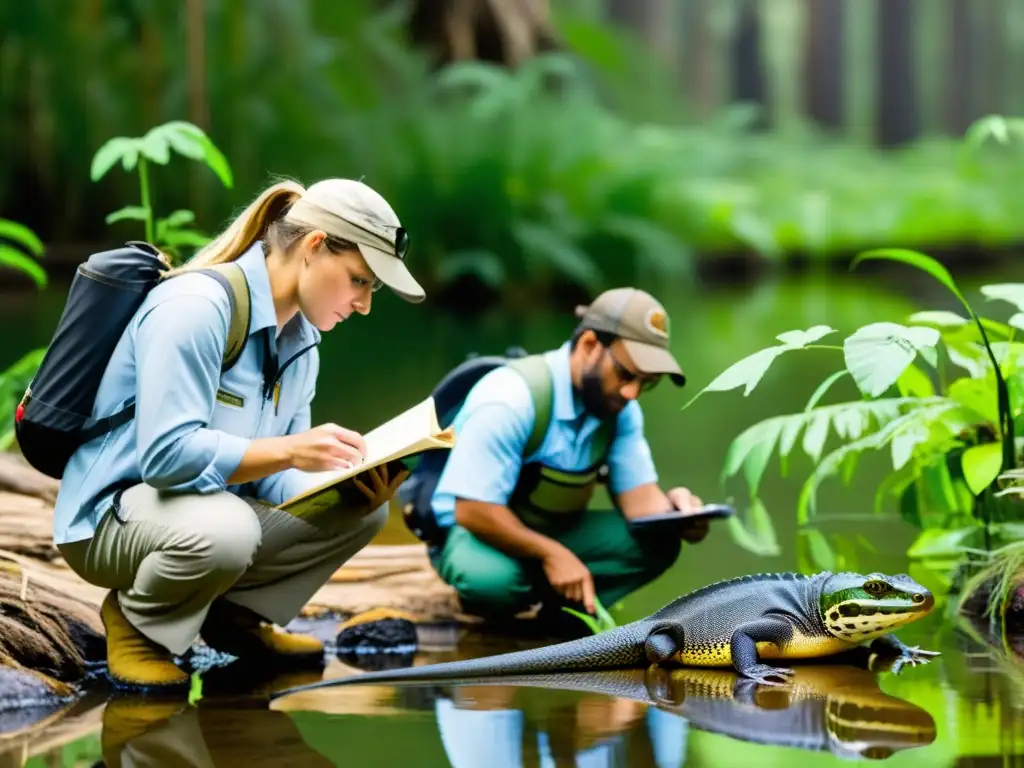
406, 435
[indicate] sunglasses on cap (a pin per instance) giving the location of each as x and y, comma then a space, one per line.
402, 243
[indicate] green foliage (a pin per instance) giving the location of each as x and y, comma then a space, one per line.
602, 621
171, 232
19, 249
942, 394
13, 382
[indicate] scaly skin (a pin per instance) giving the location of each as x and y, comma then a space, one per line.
734, 622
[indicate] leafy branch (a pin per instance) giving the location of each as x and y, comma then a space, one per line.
156, 146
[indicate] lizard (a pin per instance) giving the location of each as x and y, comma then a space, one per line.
736, 622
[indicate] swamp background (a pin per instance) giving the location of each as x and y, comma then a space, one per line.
731, 156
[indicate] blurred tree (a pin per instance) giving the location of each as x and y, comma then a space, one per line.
504, 32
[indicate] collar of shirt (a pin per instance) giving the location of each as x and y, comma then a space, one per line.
567, 406
297, 334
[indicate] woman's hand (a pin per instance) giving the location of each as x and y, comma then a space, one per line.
384, 487
326, 447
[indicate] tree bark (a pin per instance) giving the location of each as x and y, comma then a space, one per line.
505, 32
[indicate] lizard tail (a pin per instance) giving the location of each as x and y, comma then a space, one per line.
616, 648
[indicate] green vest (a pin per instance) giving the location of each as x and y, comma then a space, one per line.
544, 495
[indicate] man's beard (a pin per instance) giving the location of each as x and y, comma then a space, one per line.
594, 400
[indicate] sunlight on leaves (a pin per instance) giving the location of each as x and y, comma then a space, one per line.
749, 371
981, 465
877, 354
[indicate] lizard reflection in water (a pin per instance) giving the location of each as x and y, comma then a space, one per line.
831, 708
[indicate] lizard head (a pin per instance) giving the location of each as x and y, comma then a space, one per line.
858, 608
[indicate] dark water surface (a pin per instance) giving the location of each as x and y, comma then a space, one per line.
965, 708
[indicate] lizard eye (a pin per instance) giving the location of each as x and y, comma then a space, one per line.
874, 587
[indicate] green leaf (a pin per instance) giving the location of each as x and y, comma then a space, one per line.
939, 318
798, 339
877, 354
746, 372
155, 147
914, 259
21, 235
823, 388
184, 137
756, 534
1013, 293
15, 259
940, 543
904, 442
914, 382
820, 550
186, 237
120, 148
178, 219
977, 395
749, 371
981, 465
129, 212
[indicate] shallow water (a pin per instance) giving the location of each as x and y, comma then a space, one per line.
965, 708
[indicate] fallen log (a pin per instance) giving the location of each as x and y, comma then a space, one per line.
18, 476
397, 577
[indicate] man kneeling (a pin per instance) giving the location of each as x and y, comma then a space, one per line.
534, 438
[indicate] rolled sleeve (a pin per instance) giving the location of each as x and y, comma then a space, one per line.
491, 432
630, 463
484, 464
178, 353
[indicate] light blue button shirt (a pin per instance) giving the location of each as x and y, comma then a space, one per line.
495, 421
183, 438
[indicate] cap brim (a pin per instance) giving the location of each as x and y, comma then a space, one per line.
392, 271
653, 360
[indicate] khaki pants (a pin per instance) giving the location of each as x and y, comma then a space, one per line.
170, 555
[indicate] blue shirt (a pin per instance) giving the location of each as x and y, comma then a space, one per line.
495, 421
192, 425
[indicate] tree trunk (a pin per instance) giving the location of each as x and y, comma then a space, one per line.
506, 32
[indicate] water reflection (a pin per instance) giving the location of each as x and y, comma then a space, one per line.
837, 709
629, 717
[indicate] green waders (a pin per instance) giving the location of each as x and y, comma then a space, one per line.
554, 503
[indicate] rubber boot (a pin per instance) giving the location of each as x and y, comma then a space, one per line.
234, 629
133, 660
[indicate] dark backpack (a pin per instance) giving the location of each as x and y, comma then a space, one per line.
54, 416
417, 490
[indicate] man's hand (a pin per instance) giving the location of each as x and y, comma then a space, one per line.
569, 576
384, 487
685, 501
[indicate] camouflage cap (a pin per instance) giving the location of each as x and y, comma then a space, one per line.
641, 323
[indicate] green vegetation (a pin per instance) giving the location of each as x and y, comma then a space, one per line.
172, 232
558, 172
20, 251
942, 394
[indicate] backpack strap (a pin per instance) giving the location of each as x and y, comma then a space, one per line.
233, 280
534, 369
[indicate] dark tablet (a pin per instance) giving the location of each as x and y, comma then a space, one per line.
675, 520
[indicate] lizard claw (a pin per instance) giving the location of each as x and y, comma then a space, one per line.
763, 673
912, 656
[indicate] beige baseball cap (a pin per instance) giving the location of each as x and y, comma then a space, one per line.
351, 210
641, 323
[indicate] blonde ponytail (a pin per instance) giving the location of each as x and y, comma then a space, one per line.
251, 225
